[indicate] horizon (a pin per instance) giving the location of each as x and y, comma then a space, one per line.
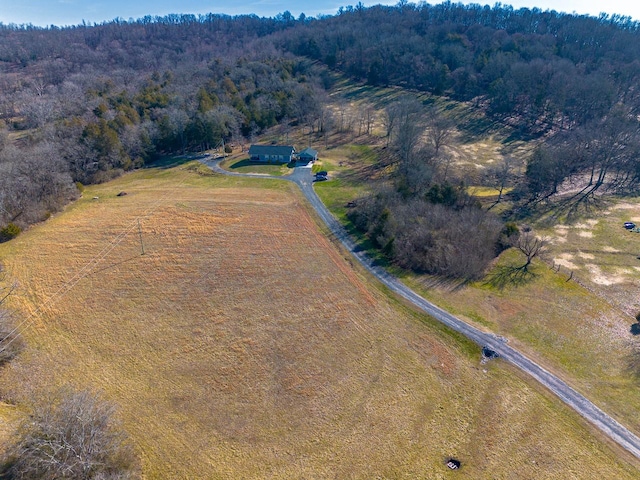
43, 13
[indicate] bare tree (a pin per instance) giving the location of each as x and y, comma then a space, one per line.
409, 124
389, 121
76, 437
440, 129
10, 340
531, 246
370, 117
500, 176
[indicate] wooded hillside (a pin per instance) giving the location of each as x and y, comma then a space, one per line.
83, 103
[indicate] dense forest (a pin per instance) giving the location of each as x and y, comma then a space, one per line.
572, 80
81, 104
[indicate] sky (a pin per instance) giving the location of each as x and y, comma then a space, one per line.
74, 12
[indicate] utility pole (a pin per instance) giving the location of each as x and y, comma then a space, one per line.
140, 234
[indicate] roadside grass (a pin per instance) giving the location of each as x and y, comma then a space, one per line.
242, 344
574, 314
570, 327
336, 194
575, 319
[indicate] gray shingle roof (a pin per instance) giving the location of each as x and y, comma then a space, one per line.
308, 152
271, 150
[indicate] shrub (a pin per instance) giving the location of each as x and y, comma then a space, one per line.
10, 231
74, 438
10, 340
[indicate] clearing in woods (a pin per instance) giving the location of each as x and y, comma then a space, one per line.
242, 344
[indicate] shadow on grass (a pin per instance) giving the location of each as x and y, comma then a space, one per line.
632, 361
509, 276
246, 162
167, 162
114, 265
444, 283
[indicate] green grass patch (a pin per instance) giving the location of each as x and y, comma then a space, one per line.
248, 166
337, 193
480, 191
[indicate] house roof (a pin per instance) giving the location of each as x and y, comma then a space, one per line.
271, 150
308, 152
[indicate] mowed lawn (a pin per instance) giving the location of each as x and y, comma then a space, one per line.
243, 344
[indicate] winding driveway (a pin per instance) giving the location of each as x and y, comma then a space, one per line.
303, 177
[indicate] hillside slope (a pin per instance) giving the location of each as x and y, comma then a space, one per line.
242, 344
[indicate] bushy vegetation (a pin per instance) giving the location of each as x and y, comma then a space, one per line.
423, 221
89, 103
11, 342
455, 240
75, 437
9, 231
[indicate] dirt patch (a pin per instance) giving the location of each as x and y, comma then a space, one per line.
565, 260
585, 234
600, 278
561, 232
586, 256
625, 206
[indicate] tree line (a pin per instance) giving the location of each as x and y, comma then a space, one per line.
540, 70
80, 105
568, 81
423, 218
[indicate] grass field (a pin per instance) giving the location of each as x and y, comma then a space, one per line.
575, 319
242, 344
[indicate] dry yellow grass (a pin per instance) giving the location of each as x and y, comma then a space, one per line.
243, 345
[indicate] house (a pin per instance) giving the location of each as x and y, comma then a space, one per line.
271, 153
308, 155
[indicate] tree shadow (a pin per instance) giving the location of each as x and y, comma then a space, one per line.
167, 162
444, 283
508, 275
632, 361
247, 162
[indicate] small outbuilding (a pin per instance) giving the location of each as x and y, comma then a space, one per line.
308, 155
271, 153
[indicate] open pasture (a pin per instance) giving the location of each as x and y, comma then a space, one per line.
243, 344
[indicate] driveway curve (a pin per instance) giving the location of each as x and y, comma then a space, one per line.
303, 177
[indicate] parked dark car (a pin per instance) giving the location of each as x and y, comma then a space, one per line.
629, 225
